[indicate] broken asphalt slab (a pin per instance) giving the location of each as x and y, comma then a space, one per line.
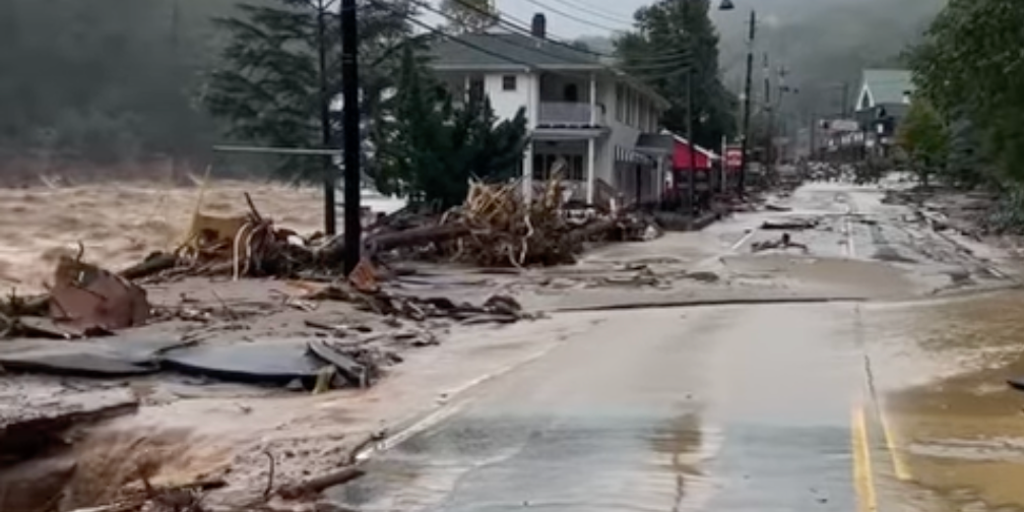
108, 357
273, 363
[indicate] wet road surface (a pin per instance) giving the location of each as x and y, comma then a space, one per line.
858, 405
650, 410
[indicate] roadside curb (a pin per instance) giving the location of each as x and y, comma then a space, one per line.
695, 303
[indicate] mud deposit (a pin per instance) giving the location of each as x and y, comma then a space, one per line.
963, 435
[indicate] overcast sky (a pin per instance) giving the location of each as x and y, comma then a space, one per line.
569, 19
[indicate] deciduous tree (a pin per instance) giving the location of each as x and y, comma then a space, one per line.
970, 66
670, 37
925, 139
469, 15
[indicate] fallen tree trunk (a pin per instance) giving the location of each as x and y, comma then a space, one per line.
154, 264
415, 236
333, 252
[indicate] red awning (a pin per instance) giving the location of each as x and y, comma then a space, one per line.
681, 155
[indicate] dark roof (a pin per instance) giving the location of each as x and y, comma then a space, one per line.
508, 51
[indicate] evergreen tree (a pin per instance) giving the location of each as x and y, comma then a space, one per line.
269, 88
670, 38
437, 147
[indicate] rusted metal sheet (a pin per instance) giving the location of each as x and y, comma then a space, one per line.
90, 297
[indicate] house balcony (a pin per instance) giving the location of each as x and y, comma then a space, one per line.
564, 114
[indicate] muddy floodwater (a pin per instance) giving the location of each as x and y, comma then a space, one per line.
957, 428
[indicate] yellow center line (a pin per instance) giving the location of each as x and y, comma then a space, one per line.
899, 465
863, 475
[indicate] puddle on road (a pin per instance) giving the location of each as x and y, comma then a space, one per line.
963, 435
680, 441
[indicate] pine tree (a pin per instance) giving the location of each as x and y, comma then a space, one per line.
436, 147
268, 90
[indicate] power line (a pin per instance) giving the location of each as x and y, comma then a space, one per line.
522, 27
594, 12
573, 17
682, 59
461, 41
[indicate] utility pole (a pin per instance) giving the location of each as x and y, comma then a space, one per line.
350, 132
846, 98
692, 175
747, 93
769, 124
814, 135
326, 160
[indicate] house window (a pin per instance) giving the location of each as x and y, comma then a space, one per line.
571, 166
508, 83
571, 93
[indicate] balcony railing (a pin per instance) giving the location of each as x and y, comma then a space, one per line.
562, 113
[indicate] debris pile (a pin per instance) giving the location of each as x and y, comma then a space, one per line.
496, 309
242, 245
505, 230
784, 242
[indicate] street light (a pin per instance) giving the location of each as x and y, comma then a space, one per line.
727, 5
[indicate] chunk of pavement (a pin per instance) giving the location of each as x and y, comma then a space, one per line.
111, 357
275, 363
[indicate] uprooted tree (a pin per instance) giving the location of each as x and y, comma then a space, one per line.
437, 146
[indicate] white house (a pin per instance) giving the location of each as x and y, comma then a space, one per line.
583, 116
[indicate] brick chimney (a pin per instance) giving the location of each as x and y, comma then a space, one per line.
539, 27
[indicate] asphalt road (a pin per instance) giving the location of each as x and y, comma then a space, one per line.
769, 407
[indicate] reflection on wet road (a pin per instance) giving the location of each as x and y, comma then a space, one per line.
710, 409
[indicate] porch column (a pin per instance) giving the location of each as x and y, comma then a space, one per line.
591, 163
659, 189
532, 112
528, 172
591, 160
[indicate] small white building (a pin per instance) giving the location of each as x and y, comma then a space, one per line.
583, 116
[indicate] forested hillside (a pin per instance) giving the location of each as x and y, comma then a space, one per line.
105, 80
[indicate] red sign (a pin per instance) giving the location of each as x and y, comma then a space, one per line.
733, 157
